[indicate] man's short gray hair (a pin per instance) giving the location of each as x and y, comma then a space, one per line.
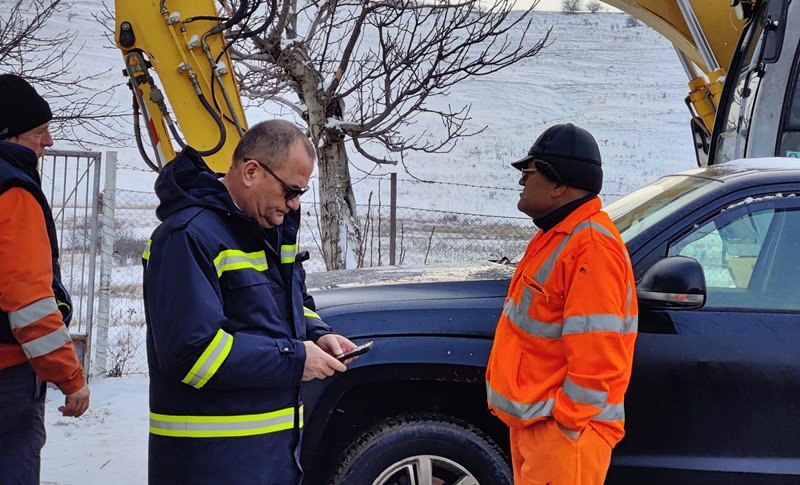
270, 142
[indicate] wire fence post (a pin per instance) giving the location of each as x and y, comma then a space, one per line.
106, 264
392, 217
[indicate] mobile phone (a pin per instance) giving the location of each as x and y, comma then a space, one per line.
361, 349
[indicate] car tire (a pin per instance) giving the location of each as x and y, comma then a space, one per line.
429, 447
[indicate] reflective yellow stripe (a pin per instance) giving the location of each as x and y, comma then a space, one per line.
233, 259
311, 313
223, 426
288, 253
210, 360
146, 252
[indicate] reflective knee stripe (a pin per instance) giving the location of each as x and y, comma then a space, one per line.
518, 315
233, 259
224, 426
519, 410
311, 313
210, 360
32, 313
46, 343
146, 252
584, 395
288, 253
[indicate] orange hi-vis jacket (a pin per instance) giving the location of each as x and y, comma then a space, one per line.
27, 297
563, 347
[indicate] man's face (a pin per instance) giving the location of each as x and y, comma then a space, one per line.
537, 197
265, 198
36, 139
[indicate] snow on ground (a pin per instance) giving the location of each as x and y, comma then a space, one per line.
106, 445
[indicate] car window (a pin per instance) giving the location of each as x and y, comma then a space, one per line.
748, 257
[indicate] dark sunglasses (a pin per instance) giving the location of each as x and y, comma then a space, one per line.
289, 192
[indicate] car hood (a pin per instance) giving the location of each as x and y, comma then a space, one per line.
463, 300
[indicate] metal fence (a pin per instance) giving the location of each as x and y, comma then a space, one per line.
71, 182
423, 237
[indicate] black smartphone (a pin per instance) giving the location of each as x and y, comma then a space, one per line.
361, 349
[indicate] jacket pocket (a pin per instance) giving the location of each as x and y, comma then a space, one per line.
245, 277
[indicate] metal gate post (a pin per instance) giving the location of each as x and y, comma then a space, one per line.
87, 357
106, 263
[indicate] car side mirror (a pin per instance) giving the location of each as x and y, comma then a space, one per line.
674, 282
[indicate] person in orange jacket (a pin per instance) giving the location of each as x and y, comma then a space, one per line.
35, 346
563, 348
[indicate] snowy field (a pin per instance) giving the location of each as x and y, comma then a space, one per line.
624, 84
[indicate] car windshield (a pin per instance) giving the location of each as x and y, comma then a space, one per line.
646, 206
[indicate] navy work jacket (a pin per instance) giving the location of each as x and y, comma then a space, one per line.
227, 311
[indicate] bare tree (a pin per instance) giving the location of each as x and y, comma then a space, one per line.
45, 57
571, 6
594, 6
359, 71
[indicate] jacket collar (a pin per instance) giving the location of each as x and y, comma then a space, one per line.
20, 156
580, 214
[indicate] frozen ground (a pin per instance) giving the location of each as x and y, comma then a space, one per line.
623, 84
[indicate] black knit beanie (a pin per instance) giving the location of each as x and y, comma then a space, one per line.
21, 107
573, 154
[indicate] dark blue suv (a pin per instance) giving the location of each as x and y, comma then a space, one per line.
715, 392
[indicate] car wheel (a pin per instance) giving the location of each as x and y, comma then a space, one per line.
423, 449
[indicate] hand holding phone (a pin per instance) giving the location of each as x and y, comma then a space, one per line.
361, 349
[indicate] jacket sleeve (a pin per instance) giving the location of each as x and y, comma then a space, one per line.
26, 292
595, 294
315, 325
185, 313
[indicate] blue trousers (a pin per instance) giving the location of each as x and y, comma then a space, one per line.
22, 433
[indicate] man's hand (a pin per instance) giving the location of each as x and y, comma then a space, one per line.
336, 345
319, 364
76, 403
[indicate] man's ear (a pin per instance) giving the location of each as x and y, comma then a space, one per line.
249, 171
559, 191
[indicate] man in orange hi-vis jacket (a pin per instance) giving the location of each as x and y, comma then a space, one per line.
35, 346
563, 347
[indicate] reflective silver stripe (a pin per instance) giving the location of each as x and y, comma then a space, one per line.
517, 409
288, 253
32, 313
584, 395
611, 412
592, 323
233, 259
46, 343
210, 360
547, 267
630, 325
518, 314
224, 426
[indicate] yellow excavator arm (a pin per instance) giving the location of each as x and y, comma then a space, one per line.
705, 34
182, 41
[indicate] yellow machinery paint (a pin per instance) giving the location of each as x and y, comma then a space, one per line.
183, 51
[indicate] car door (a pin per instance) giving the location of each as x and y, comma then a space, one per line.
715, 392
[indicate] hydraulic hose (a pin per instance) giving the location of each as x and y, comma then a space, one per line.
222, 133
137, 134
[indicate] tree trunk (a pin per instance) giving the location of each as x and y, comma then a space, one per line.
341, 236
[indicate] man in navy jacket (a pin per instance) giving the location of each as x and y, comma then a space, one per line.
231, 331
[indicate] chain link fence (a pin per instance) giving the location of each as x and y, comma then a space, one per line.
423, 237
